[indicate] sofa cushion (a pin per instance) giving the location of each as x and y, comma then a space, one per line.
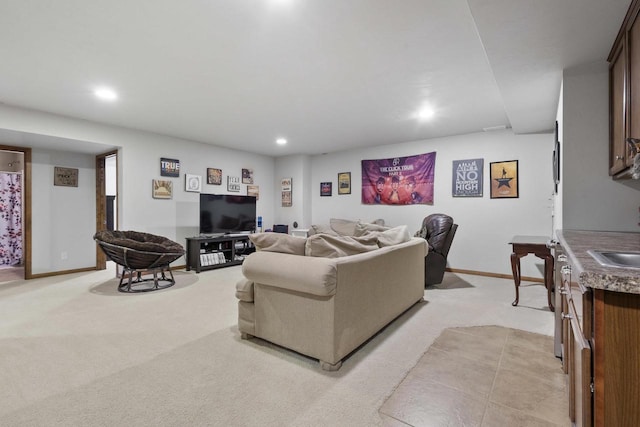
244, 290
393, 236
363, 228
278, 242
321, 229
328, 246
344, 227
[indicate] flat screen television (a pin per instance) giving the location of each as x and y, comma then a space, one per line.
227, 213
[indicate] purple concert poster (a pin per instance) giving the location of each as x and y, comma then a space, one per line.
399, 180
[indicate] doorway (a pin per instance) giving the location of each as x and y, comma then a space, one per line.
15, 226
106, 198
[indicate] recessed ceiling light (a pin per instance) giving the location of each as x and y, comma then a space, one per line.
425, 113
281, 141
106, 94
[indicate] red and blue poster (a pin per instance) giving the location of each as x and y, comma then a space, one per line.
399, 181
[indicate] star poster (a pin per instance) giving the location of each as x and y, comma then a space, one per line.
504, 179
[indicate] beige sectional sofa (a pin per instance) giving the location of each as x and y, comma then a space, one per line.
325, 307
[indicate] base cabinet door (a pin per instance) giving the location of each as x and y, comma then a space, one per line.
579, 360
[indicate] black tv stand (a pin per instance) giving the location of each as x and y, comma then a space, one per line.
208, 253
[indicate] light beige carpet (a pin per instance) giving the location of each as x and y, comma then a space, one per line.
75, 352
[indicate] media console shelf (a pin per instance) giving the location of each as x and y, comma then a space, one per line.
207, 253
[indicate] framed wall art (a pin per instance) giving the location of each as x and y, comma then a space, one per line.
214, 176
344, 183
287, 190
65, 177
467, 178
504, 179
556, 162
233, 183
169, 167
325, 188
253, 190
247, 176
162, 189
192, 183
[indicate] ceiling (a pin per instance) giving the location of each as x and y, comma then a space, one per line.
327, 75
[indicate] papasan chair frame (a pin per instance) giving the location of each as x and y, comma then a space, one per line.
140, 253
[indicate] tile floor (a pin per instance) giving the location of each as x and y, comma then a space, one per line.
488, 376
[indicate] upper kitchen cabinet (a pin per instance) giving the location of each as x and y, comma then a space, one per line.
624, 93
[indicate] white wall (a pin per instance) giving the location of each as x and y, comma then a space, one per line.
298, 168
558, 210
485, 225
591, 199
63, 219
139, 163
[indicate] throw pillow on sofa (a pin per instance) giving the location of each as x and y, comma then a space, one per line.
321, 229
278, 242
329, 246
344, 227
363, 228
393, 236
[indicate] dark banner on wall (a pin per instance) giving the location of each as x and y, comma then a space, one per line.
399, 181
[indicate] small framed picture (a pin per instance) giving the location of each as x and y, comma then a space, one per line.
169, 167
286, 184
214, 176
66, 177
162, 189
325, 188
504, 179
286, 199
253, 190
247, 176
344, 183
192, 183
233, 183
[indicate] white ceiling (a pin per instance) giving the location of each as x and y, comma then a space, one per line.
327, 75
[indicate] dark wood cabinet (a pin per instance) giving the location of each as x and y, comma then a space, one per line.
579, 362
624, 93
599, 338
576, 335
206, 253
616, 360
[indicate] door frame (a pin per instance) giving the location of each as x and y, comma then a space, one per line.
101, 202
26, 208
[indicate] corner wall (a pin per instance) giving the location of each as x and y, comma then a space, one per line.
63, 219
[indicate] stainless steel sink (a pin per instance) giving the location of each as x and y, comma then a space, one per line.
624, 259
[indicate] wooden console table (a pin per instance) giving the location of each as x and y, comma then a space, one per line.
537, 245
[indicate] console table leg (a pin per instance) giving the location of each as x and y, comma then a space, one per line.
515, 268
548, 279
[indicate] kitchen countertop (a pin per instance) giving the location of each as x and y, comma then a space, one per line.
590, 273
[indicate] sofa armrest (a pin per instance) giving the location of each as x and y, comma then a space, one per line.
244, 290
311, 275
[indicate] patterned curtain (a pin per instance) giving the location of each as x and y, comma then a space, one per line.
10, 219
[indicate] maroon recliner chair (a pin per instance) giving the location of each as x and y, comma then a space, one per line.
438, 229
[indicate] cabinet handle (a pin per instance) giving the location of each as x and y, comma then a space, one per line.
618, 157
562, 258
566, 316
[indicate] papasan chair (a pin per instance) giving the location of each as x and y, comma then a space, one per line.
140, 253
